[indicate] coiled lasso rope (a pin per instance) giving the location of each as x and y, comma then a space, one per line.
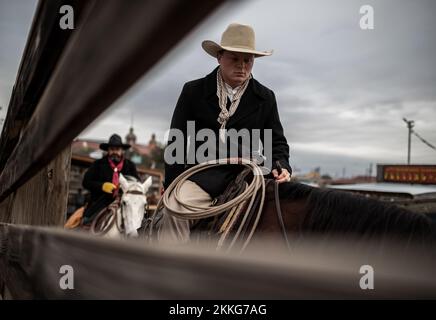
195, 212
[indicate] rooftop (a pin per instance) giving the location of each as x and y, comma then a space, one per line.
413, 190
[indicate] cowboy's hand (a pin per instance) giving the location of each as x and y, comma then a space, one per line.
283, 177
108, 187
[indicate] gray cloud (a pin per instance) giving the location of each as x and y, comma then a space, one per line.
15, 21
342, 92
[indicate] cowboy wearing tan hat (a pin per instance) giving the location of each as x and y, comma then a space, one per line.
227, 98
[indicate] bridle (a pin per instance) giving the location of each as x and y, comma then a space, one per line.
137, 192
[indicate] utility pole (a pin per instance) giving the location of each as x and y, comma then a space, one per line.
410, 125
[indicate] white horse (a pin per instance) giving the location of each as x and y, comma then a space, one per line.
130, 214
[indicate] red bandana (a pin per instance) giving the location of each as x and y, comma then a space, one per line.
116, 176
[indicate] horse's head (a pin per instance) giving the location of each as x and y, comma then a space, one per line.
133, 203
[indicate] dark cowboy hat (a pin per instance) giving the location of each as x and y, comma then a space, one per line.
114, 141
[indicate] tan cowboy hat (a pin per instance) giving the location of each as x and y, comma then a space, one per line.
237, 38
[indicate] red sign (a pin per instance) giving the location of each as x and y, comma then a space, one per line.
422, 174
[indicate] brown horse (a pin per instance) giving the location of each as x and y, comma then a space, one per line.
330, 213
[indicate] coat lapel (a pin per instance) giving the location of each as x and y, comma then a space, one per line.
248, 105
210, 92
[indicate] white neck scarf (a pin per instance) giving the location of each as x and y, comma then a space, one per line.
221, 92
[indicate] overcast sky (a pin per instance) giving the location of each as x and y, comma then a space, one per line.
342, 91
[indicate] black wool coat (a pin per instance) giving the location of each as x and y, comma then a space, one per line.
101, 172
257, 110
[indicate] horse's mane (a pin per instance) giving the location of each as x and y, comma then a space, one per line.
338, 212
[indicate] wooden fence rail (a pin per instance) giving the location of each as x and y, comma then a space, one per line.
45, 43
31, 258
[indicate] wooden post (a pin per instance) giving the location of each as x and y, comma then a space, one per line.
43, 199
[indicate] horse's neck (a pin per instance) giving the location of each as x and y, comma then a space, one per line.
292, 211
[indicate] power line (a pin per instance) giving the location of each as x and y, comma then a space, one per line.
423, 140
410, 125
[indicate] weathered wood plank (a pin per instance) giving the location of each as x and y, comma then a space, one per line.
117, 42
45, 44
43, 199
311, 270
6, 208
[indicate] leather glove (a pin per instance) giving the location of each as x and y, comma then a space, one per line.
108, 187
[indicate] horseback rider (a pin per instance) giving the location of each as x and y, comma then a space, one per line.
102, 178
227, 98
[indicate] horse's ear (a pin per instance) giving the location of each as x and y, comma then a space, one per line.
147, 184
124, 184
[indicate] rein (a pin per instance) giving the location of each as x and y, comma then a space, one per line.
280, 215
279, 209
107, 216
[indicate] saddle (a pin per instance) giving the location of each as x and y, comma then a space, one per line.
75, 220
100, 222
229, 220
